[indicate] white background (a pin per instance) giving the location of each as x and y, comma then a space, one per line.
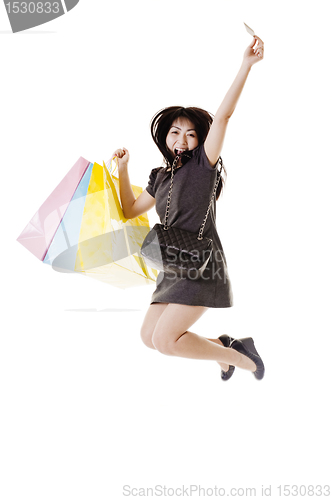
86, 407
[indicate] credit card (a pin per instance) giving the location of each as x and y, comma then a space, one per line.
250, 31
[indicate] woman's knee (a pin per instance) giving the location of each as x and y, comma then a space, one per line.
151, 318
162, 343
146, 336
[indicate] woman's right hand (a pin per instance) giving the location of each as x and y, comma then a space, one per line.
132, 207
123, 157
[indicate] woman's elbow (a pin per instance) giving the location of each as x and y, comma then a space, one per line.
127, 213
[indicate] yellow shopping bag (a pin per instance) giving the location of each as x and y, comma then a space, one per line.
108, 243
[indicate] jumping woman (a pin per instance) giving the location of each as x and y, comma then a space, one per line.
193, 137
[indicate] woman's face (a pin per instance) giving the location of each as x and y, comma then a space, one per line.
181, 136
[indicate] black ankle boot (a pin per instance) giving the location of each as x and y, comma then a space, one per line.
246, 347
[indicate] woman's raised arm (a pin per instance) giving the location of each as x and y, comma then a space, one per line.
215, 138
132, 207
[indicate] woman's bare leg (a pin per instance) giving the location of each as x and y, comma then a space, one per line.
171, 337
152, 316
222, 365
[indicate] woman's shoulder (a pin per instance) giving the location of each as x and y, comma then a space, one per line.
152, 180
155, 171
200, 155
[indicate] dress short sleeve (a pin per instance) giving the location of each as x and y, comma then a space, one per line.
152, 179
200, 153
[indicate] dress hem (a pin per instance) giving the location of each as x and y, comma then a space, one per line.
184, 304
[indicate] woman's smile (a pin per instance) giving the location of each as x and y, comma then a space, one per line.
181, 137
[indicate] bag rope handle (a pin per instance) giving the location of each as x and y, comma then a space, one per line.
200, 233
109, 167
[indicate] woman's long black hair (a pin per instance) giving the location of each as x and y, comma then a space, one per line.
162, 122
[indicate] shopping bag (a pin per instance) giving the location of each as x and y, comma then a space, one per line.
92, 236
39, 232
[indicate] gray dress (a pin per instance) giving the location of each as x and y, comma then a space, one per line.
192, 190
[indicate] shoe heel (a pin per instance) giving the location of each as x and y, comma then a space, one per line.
246, 347
249, 344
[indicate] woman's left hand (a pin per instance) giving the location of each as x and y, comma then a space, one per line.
255, 51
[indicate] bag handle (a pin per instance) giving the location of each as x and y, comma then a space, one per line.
200, 233
109, 165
